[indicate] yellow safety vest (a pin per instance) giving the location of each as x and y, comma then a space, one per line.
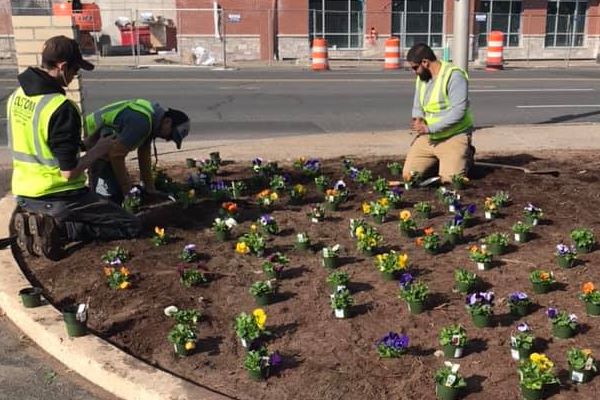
438, 102
35, 169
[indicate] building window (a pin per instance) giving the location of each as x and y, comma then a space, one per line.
418, 21
565, 23
338, 21
499, 15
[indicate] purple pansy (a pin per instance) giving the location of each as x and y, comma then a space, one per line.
523, 327
353, 172
516, 297
257, 161
275, 359
471, 208
551, 312
405, 279
563, 250
190, 248
218, 186
394, 341
340, 185
266, 219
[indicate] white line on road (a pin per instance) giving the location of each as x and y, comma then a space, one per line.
531, 90
562, 106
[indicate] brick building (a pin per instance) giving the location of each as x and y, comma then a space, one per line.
283, 29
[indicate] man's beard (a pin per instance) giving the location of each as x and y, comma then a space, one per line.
424, 75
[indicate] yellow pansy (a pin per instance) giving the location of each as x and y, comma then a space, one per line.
274, 196
190, 345
541, 361
372, 242
403, 260
383, 202
366, 208
260, 317
380, 258
405, 215
191, 193
253, 227
124, 285
160, 232
242, 248
300, 189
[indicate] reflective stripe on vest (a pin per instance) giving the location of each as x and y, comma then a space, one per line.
35, 169
105, 117
438, 103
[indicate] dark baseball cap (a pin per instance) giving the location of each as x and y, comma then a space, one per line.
180, 125
61, 48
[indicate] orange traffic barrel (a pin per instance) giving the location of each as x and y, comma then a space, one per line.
495, 48
319, 55
392, 53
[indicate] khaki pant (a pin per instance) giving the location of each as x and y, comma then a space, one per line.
455, 156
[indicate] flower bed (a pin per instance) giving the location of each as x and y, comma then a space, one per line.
322, 356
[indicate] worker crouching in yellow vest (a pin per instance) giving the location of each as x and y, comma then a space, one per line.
441, 118
54, 205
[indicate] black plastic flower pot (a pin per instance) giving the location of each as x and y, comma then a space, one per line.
592, 309
330, 262
257, 375
181, 350
532, 394
519, 310
496, 249
222, 235
302, 245
190, 163
31, 297
563, 332
584, 249
481, 321
264, 299
75, 328
565, 262
416, 307
522, 237
581, 376
389, 276
540, 288
395, 171
451, 351
443, 392
464, 287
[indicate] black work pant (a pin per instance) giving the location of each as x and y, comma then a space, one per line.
85, 216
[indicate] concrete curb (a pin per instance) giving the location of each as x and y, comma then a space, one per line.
91, 357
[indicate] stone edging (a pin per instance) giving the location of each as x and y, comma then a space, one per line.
91, 357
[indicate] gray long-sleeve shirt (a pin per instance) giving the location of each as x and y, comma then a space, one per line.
458, 95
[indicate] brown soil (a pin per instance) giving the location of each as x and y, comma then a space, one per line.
325, 358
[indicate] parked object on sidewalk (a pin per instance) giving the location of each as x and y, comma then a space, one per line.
495, 48
202, 56
392, 53
320, 60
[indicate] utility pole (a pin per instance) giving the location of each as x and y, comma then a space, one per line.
460, 36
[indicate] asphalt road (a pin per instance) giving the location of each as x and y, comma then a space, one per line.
271, 103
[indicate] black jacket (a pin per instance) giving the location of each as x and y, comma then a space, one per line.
64, 130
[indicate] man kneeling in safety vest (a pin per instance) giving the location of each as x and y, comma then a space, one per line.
136, 124
54, 205
441, 117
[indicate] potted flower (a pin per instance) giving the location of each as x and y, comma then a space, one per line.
395, 168
591, 297
423, 208
341, 301
496, 243
338, 280
450, 198
259, 362
459, 181
380, 185
453, 230
368, 239
465, 280
185, 198
430, 242
392, 345
75, 317
521, 342
582, 365
223, 227
501, 199
229, 209
116, 256
519, 304
189, 253
584, 239
490, 208
250, 328
183, 334
236, 189
535, 373
31, 297
268, 224
191, 275
218, 191
448, 382
160, 237
262, 291
453, 340
479, 305
252, 242
355, 224
117, 278
279, 183
467, 213
565, 255
394, 196
133, 200
208, 167
334, 197
521, 232
190, 162
414, 293
321, 182
310, 167
541, 281
266, 200
363, 177
389, 264
377, 209
330, 256
302, 241
532, 214
215, 157
411, 180
407, 225
481, 256
275, 265
564, 325
317, 214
